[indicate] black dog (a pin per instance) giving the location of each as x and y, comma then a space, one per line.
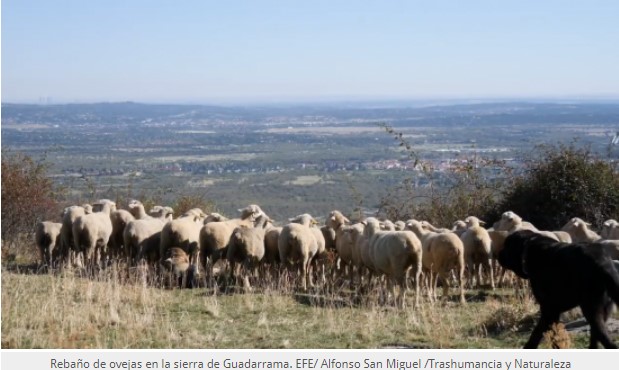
562, 277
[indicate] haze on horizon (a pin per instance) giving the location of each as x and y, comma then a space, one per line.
273, 51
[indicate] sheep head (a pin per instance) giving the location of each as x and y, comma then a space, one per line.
304, 219
196, 214
336, 219
575, 223
459, 225
372, 225
214, 217
473, 221
251, 212
87, 208
387, 225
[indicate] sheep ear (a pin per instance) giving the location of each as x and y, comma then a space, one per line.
364, 223
482, 222
346, 220
332, 218
588, 224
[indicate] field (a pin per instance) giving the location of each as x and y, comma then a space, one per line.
65, 310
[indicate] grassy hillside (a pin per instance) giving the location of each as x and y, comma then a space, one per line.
115, 311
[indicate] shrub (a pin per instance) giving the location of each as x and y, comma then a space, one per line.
27, 198
561, 182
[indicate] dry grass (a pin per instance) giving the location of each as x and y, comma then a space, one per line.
115, 311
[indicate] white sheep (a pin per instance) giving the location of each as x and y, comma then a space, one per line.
120, 218
47, 237
498, 241
68, 250
321, 258
400, 225
91, 234
214, 217
579, 231
442, 253
459, 227
393, 253
215, 236
184, 233
246, 247
477, 250
297, 246
142, 237
511, 223
271, 249
345, 242
610, 229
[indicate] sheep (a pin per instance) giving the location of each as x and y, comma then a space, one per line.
459, 227
215, 236
498, 240
321, 251
246, 246
387, 225
47, 237
136, 208
329, 235
345, 241
120, 218
184, 233
214, 217
297, 245
511, 222
442, 252
91, 233
177, 262
271, 249
393, 253
428, 226
579, 231
400, 225
477, 249
142, 237
562, 236
611, 246
610, 229
67, 245
363, 246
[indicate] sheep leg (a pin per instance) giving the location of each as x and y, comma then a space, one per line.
445, 280
488, 269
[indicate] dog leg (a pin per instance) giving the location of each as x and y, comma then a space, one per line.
542, 326
596, 319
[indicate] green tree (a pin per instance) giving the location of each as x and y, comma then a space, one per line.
561, 182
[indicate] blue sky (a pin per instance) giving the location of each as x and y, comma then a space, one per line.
270, 51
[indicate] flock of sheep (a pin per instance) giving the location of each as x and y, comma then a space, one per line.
403, 251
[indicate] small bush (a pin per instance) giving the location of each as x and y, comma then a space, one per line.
27, 198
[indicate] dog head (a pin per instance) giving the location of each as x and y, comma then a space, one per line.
514, 253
